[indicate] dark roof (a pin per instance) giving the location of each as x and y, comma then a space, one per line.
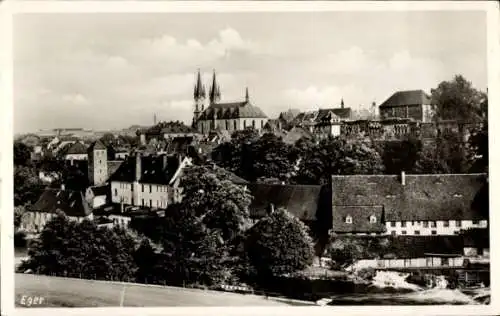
344, 113
76, 148
177, 129
232, 110
96, 145
300, 200
295, 134
423, 197
113, 165
72, 203
100, 190
410, 97
154, 169
360, 216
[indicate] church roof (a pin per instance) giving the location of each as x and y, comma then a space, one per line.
409, 97
232, 110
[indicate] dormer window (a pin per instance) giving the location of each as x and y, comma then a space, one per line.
457, 195
373, 219
348, 219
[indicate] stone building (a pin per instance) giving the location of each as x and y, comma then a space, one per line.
410, 104
230, 116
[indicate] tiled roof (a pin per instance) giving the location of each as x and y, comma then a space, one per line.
343, 113
360, 217
232, 110
152, 168
76, 149
176, 129
179, 145
410, 97
72, 203
423, 197
113, 165
300, 200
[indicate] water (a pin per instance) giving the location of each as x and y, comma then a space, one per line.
391, 288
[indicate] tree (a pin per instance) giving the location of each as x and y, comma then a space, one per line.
22, 154
222, 205
478, 144
108, 139
279, 244
335, 156
27, 185
459, 100
19, 212
401, 155
69, 248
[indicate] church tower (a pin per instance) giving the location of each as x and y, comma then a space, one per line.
199, 98
214, 93
98, 163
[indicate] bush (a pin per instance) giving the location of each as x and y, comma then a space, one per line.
20, 240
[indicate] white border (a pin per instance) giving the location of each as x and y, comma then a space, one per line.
9, 8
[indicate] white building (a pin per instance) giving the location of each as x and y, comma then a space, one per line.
437, 204
149, 181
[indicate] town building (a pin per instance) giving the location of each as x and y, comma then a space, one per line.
74, 151
430, 204
72, 203
410, 104
230, 116
149, 181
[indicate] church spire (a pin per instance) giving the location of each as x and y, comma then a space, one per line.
247, 96
214, 93
342, 103
199, 89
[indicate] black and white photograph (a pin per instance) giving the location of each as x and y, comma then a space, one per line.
251, 158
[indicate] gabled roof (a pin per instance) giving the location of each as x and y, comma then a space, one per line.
344, 113
152, 168
232, 110
422, 197
300, 200
179, 145
409, 97
100, 190
72, 203
360, 217
76, 149
113, 165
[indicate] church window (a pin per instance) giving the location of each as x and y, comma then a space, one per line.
227, 125
234, 123
373, 219
244, 124
116, 192
261, 124
253, 123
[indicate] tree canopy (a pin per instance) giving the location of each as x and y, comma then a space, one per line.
279, 244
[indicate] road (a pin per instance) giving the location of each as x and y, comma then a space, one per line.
61, 292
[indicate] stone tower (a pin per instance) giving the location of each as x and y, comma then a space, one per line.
199, 98
98, 163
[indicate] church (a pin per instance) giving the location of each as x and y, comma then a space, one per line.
232, 116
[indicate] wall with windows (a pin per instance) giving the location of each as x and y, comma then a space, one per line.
451, 227
140, 194
33, 222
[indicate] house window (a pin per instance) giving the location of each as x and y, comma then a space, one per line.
234, 124
446, 224
403, 224
417, 232
227, 125
244, 124
150, 188
253, 124
426, 224
428, 262
348, 219
116, 192
150, 203
261, 124
458, 223
132, 188
393, 224
433, 224
373, 219
142, 187
433, 232
403, 232
475, 222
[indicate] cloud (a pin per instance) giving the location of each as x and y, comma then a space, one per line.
76, 99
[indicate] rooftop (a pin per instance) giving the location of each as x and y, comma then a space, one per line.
408, 97
72, 203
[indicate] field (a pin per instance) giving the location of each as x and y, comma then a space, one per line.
62, 292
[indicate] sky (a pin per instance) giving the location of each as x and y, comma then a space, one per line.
112, 70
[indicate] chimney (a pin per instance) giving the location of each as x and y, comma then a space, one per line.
138, 166
403, 178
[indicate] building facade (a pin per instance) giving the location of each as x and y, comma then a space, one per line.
410, 104
232, 116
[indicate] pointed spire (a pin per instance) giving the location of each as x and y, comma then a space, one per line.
214, 93
247, 96
342, 103
199, 92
